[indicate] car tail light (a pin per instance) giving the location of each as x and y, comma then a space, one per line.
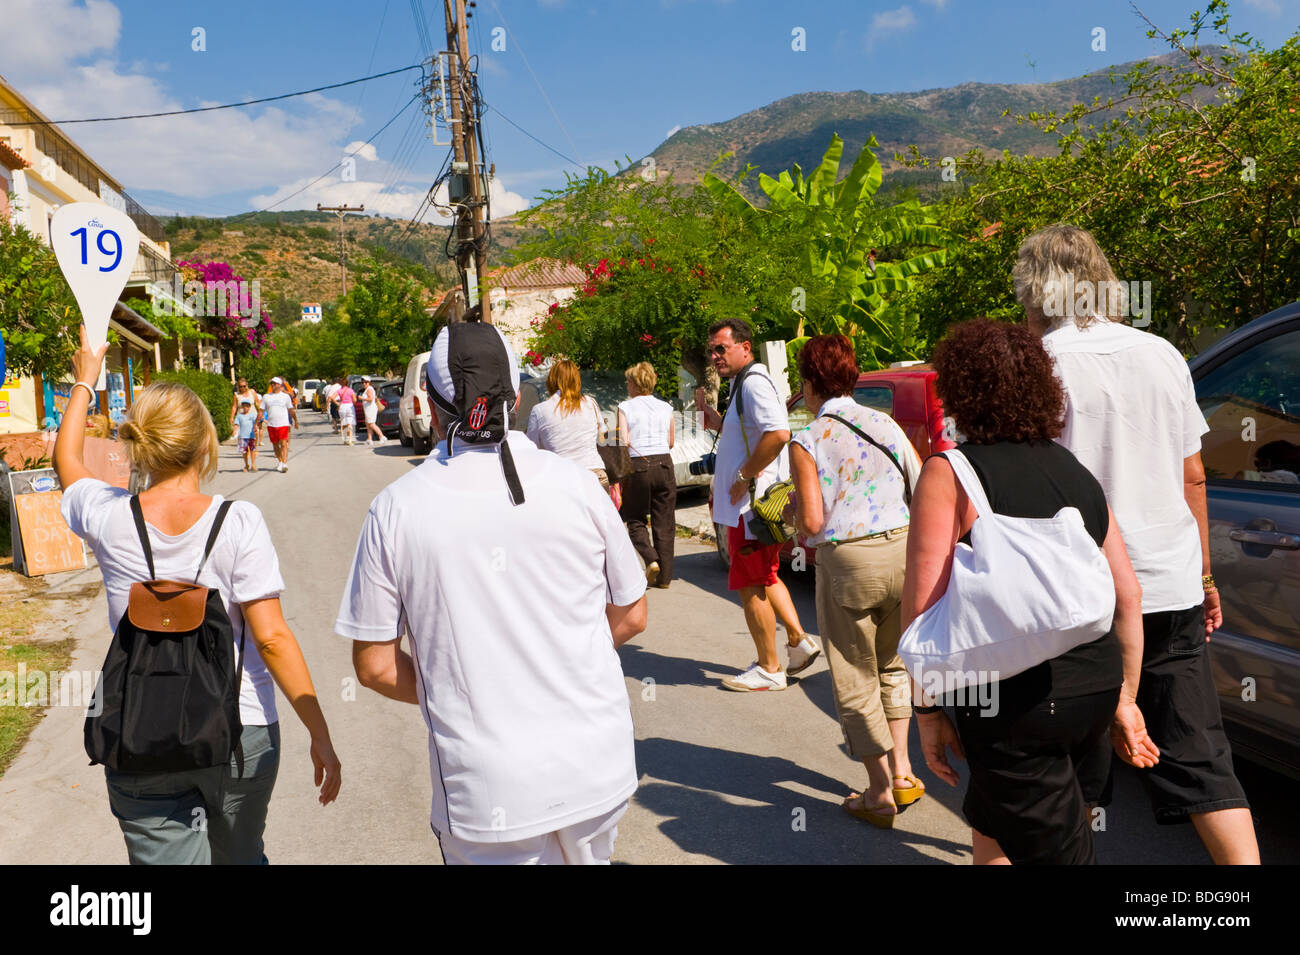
416, 401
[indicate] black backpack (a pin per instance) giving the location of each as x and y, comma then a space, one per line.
168, 699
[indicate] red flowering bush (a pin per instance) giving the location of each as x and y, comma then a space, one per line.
222, 314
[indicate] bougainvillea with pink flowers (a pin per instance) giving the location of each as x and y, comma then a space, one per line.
233, 331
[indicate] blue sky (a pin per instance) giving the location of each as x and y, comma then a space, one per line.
594, 81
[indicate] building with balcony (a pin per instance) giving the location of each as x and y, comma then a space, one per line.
45, 169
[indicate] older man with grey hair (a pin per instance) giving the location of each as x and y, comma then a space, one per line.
1132, 419
509, 573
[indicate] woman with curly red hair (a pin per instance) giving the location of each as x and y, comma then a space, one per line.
1038, 747
852, 468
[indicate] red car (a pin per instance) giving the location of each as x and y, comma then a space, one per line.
905, 394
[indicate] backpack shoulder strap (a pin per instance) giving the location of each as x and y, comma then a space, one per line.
143, 531
907, 484
212, 536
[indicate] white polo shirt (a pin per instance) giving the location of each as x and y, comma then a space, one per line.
1131, 418
764, 411
530, 729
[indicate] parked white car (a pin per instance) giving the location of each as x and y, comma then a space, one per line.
307, 389
415, 410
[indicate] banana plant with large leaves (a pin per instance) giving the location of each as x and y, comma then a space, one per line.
860, 256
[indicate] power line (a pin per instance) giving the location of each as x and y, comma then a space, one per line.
208, 109
337, 164
534, 138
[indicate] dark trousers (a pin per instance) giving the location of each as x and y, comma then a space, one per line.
651, 489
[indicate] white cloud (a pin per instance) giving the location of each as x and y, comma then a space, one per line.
362, 149
1271, 7
887, 22
669, 134
63, 58
40, 36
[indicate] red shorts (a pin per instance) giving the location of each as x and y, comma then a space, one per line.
277, 434
752, 564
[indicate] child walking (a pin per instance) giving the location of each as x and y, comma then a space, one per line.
246, 422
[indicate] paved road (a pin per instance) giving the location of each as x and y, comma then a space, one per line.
725, 777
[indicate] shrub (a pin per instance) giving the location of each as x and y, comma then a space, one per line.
215, 391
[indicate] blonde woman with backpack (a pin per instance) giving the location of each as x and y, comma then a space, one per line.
213, 810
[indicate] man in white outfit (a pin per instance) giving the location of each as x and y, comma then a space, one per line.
511, 658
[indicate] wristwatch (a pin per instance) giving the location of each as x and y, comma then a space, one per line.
1207, 582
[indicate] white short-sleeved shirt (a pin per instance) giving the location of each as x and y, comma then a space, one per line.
242, 566
275, 407
648, 421
764, 411
530, 729
1131, 418
571, 436
862, 490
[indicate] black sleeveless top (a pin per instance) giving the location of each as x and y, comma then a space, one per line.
1037, 479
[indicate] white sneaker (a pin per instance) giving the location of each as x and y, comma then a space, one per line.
755, 678
801, 655
281, 468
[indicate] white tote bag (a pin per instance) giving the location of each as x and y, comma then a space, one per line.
1023, 591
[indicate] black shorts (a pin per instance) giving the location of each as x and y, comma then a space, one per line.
1181, 708
1035, 768
334, 412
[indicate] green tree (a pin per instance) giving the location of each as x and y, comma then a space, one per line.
385, 318
1186, 177
38, 314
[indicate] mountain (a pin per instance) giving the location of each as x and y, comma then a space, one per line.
296, 254
940, 122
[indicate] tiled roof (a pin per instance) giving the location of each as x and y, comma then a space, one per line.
536, 273
10, 158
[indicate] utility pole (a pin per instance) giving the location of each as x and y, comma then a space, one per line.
341, 211
468, 178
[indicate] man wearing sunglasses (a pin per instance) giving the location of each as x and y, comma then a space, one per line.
751, 454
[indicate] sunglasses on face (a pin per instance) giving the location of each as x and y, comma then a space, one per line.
717, 350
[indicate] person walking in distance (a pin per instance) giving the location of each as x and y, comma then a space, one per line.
370, 408
331, 408
213, 813
345, 399
752, 457
1132, 419
279, 411
645, 425
246, 421
569, 422
512, 658
245, 393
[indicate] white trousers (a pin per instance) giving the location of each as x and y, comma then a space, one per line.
590, 842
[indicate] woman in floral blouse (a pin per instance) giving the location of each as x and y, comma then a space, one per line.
851, 503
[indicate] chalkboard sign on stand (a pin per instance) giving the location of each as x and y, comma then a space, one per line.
42, 541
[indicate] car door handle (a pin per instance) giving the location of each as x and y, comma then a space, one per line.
1267, 538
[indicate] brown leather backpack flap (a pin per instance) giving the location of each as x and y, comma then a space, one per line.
166, 606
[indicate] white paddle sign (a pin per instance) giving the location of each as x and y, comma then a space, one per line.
96, 246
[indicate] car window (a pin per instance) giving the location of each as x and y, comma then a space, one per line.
1252, 405
879, 397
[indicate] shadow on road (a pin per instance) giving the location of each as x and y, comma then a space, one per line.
792, 825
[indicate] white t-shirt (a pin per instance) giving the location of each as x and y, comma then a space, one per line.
764, 411
276, 407
571, 436
243, 566
504, 609
648, 421
1131, 418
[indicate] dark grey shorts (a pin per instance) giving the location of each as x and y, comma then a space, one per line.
203, 816
1178, 701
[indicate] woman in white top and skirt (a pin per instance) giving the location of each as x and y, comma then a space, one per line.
568, 423
645, 424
